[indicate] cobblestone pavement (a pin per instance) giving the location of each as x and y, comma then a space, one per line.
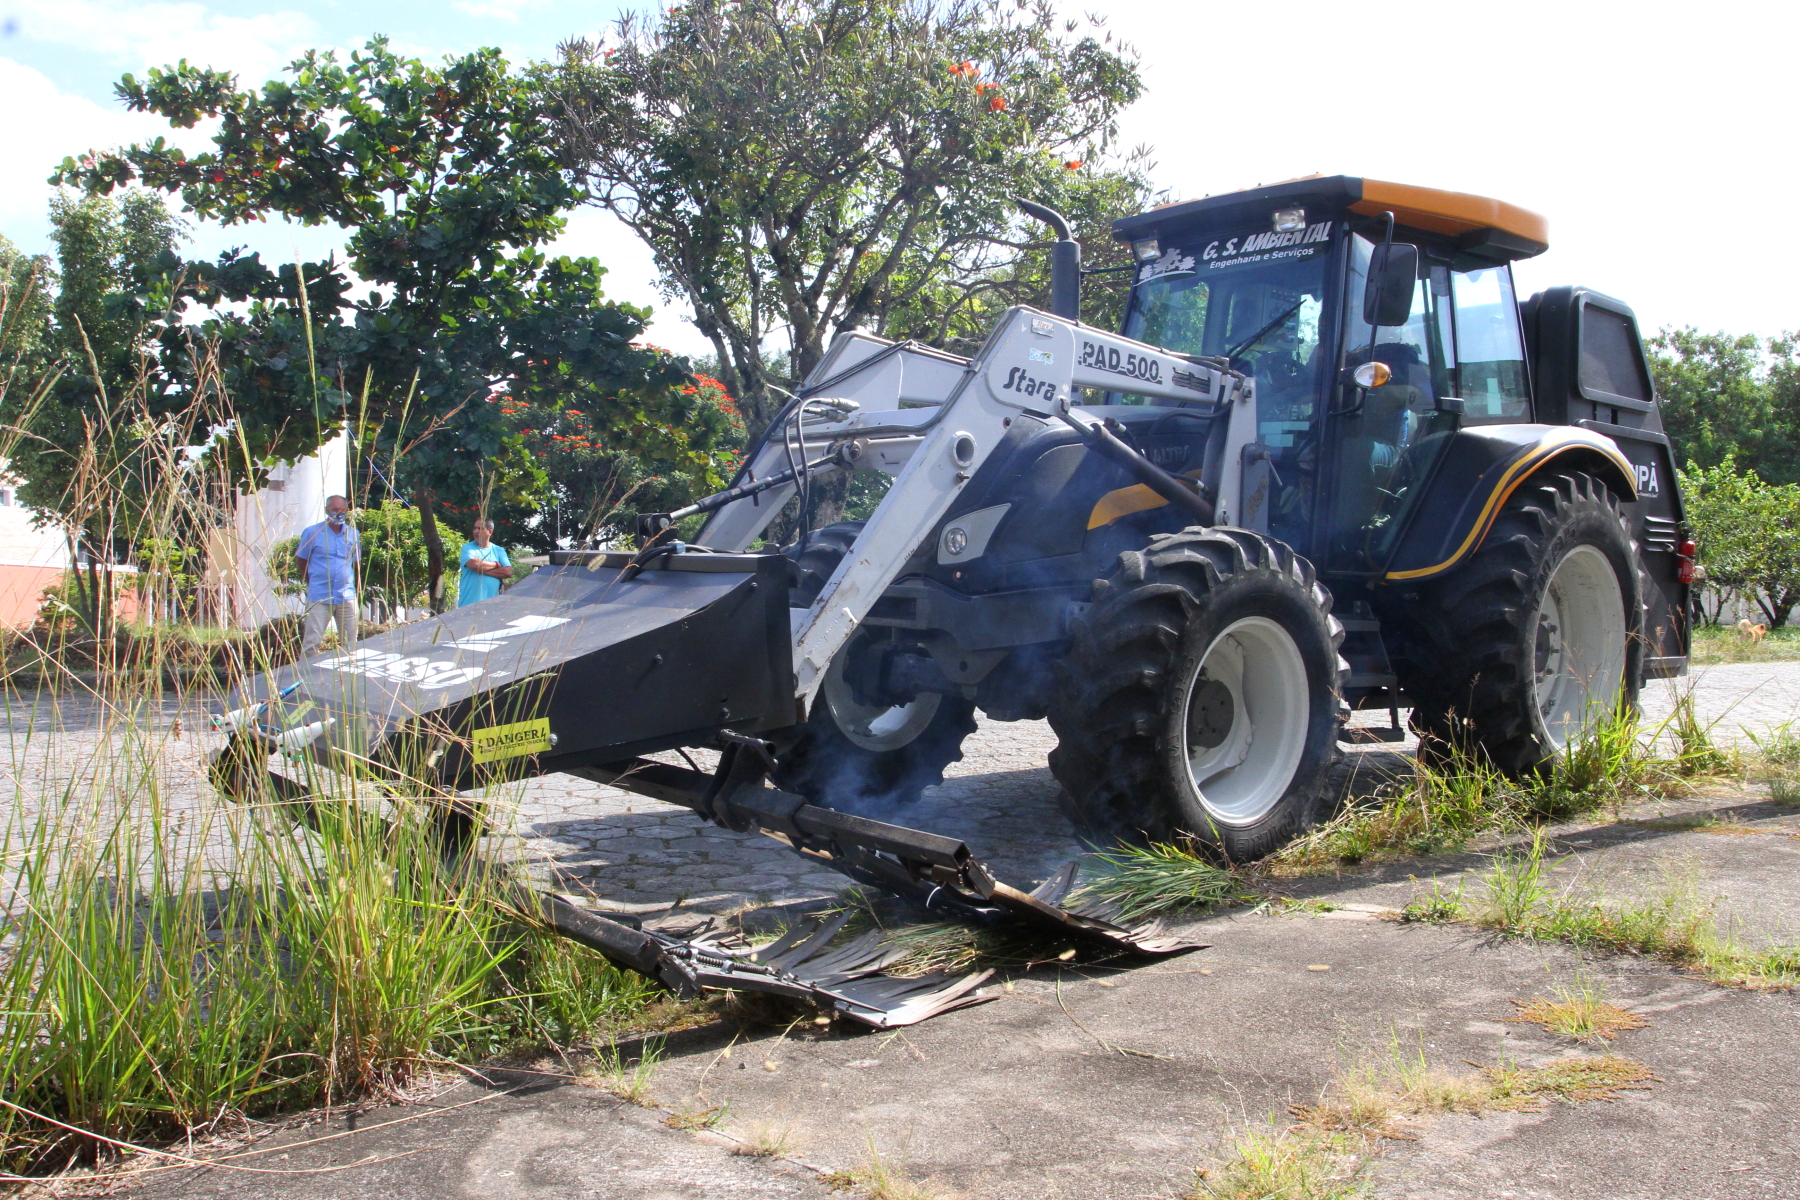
627, 853
636, 855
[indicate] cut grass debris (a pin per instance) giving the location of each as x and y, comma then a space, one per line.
1144, 881
1580, 1012
1570, 1080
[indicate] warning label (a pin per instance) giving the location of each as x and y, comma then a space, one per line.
510, 741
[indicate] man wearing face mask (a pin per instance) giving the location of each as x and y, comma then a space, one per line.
329, 554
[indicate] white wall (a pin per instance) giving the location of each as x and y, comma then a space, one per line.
294, 499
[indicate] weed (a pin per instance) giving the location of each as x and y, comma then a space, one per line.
1515, 887
690, 1120
1287, 1164
1436, 906
1784, 789
629, 1081
1281, 906
1580, 1012
765, 1140
882, 1179
1672, 924
1160, 877
1715, 644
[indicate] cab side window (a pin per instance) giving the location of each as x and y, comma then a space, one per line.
1490, 350
1610, 361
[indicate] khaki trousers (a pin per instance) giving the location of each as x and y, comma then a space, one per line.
318, 614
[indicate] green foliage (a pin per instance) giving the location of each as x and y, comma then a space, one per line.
1145, 880
450, 180
1748, 531
862, 181
1727, 397
594, 488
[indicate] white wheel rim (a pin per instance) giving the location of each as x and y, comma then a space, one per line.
1244, 723
874, 727
1579, 645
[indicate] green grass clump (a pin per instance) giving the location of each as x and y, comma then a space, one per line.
1673, 924
1160, 877
164, 970
1453, 795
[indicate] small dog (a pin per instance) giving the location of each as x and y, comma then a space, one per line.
1752, 633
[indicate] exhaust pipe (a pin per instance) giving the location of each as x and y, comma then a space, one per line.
1065, 261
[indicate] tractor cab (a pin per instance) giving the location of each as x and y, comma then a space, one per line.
1276, 280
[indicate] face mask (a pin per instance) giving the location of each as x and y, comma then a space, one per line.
337, 520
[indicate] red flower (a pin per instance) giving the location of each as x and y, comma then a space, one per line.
997, 103
1074, 164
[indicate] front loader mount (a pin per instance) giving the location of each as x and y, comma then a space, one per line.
588, 666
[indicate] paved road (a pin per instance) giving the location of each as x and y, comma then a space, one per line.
637, 855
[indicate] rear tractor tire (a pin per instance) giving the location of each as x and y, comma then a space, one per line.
1536, 637
854, 756
1201, 697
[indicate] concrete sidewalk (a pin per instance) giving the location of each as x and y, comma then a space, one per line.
1113, 1082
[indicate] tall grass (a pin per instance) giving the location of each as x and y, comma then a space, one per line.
168, 960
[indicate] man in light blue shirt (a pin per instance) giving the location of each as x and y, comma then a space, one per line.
484, 566
329, 554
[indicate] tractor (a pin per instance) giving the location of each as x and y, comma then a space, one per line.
1331, 462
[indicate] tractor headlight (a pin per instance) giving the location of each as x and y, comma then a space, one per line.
956, 540
1145, 249
1290, 220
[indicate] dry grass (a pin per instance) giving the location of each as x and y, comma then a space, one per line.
1325, 1153
882, 1179
767, 1140
1715, 644
1580, 1012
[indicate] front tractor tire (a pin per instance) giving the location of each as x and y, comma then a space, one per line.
1200, 698
1536, 637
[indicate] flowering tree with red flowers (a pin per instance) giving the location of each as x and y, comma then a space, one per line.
595, 486
801, 167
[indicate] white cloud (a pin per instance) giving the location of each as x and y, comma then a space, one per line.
47, 125
631, 276
140, 35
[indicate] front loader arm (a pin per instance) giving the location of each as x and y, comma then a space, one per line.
932, 419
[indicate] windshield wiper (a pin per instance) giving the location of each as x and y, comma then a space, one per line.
1260, 334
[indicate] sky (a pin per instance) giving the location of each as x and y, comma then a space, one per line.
1656, 138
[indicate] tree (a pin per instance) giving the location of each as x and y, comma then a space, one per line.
98, 434
594, 487
819, 165
1730, 397
1748, 531
450, 180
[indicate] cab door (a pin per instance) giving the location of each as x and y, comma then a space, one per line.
1387, 440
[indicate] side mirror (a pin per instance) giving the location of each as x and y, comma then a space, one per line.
1393, 273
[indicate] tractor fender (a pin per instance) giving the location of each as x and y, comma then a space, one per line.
1479, 470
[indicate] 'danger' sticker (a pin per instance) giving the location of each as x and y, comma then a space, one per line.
511, 741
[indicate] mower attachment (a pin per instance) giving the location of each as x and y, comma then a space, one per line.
939, 872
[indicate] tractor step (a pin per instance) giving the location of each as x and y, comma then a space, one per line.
939, 872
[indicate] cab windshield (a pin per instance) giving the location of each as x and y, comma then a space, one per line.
1256, 297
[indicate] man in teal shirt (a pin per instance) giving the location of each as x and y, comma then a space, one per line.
484, 565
